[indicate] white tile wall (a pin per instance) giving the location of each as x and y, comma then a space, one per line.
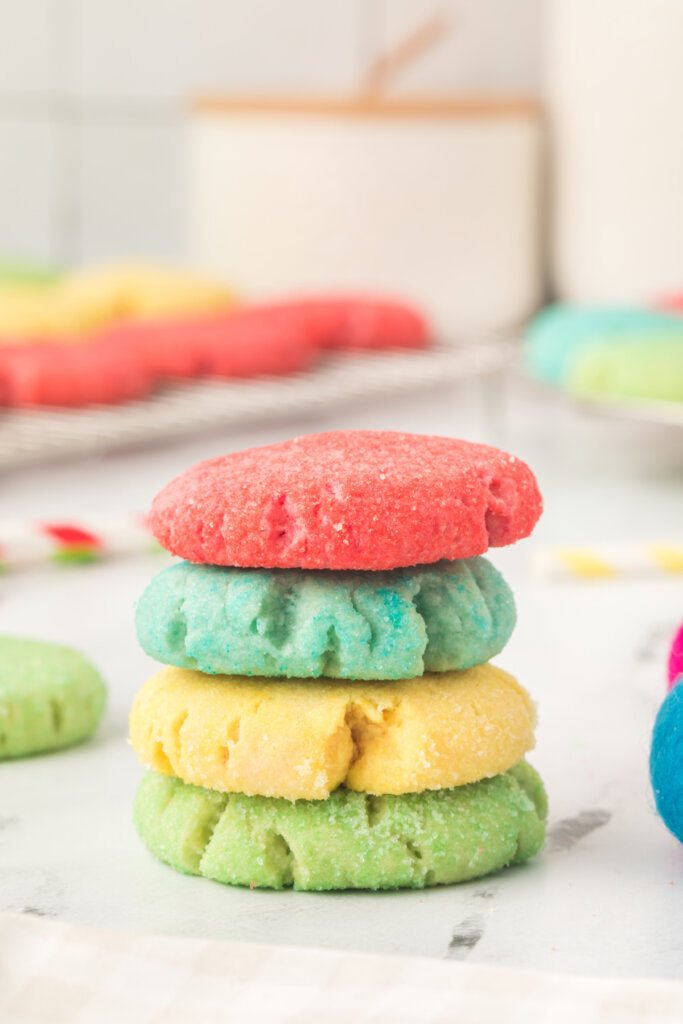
93, 97
131, 191
28, 188
172, 48
28, 63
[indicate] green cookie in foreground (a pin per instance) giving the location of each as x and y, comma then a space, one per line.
347, 625
50, 697
349, 841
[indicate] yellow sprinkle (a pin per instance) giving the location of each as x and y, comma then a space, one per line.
667, 556
583, 563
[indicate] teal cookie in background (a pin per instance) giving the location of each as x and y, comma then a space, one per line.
50, 697
349, 841
395, 624
559, 333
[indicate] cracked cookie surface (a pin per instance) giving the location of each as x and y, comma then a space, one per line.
357, 499
350, 841
50, 697
306, 623
302, 739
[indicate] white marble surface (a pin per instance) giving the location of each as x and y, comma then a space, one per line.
607, 894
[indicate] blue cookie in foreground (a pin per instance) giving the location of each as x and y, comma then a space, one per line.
349, 841
666, 761
395, 624
50, 697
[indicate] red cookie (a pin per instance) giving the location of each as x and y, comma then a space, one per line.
93, 373
257, 340
360, 322
130, 358
270, 338
162, 348
348, 500
243, 343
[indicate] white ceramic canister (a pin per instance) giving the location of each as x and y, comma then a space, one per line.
615, 91
436, 201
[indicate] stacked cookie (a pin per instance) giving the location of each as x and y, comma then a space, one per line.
330, 719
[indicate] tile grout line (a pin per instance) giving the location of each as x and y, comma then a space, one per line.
68, 111
67, 214
68, 108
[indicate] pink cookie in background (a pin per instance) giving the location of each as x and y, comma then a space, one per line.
673, 302
162, 348
247, 342
354, 499
379, 324
130, 359
70, 375
257, 341
274, 338
361, 322
675, 667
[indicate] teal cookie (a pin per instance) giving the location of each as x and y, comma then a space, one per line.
50, 697
305, 623
349, 841
558, 334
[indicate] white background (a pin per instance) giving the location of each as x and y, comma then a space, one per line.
93, 97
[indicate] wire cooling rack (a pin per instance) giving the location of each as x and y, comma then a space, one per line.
38, 434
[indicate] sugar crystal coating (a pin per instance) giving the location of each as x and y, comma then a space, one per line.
307, 623
301, 739
365, 500
350, 841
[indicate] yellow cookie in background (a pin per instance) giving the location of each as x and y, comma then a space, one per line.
301, 739
86, 300
27, 314
138, 291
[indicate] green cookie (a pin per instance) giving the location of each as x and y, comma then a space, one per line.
26, 276
349, 841
560, 333
347, 625
50, 697
642, 366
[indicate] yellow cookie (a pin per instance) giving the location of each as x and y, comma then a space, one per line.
138, 291
30, 313
90, 299
301, 739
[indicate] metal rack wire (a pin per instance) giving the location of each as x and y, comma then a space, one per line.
37, 434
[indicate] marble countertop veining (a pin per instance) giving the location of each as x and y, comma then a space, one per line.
606, 895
